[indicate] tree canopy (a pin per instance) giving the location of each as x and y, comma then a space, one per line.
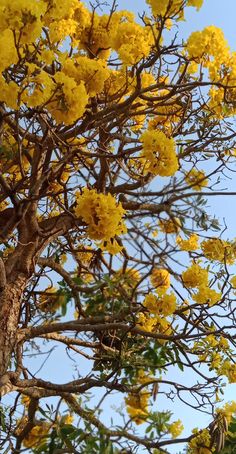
115, 134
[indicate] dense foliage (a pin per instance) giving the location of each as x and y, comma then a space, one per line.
114, 134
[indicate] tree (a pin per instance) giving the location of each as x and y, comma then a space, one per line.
114, 135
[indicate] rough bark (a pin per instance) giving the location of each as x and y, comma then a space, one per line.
10, 303
15, 274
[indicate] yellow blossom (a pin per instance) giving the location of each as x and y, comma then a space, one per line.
102, 214
67, 419
208, 42
170, 225
229, 370
160, 279
233, 281
69, 101
201, 440
159, 153
146, 323
160, 305
63, 259
207, 295
173, 8
188, 245
37, 435
93, 73
176, 428
228, 410
137, 406
195, 276
154, 233
125, 42
25, 400
197, 179
220, 250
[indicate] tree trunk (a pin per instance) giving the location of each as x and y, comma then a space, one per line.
10, 303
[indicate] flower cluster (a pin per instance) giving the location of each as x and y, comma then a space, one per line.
137, 406
160, 305
37, 435
137, 403
201, 443
170, 225
228, 369
197, 179
195, 276
159, 153
219, 250
207, 295
175, 428
160, 279
102, 214
228, 411
70, 101
214, 350
210, 42
24, 17
191, 244
93, 73
125, 42
166, 8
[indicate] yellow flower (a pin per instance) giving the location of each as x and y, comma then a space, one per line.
233, 281
160, 305
70, 100
125, 41
102, 214
201, 441
196, 178
155, 233
170, 225
25, 400
207, 295
188, 245
210, 42
196, 3
93, 73
111, 246
159, 153
67, 419
63, 259
215, 360
160, 279
176, 428
229, 370
195, 276
228, 410
166, 8
37, 435
203, 450
137, 406
220, 250
146, 323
